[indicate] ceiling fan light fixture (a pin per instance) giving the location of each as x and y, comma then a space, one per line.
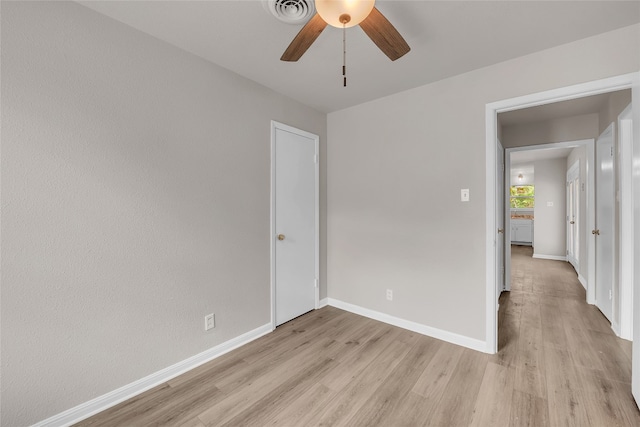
333, 11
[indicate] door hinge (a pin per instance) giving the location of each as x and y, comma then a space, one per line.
611, 151
315, 158
316, 282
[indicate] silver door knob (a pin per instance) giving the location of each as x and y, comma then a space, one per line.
596, 232
500, 230
280, 236
572, 222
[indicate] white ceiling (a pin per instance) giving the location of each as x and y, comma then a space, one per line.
446, 38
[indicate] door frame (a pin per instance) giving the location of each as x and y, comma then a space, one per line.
272, 229
610, 131
590, 208
501, 283
572, 172
611, 84
625, 219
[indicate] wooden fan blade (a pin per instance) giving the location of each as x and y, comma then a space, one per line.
305, 38
384, 35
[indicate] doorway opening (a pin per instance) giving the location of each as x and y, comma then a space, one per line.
544, 223
492, 110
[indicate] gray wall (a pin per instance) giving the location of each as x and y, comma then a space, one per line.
562, 129
396, 167
616, 103
550, 225
135, 200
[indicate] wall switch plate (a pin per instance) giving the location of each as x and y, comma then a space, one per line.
209, 321
550, 204
464, 195
389, 295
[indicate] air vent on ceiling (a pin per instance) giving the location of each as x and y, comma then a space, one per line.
291, 11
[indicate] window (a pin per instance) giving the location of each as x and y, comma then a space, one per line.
522, 196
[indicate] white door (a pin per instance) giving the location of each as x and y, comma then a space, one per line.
500, 208
294, 222
573, 206
604, 222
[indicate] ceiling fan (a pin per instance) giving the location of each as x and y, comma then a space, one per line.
344, 14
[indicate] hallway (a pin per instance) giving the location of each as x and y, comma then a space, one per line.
568, 363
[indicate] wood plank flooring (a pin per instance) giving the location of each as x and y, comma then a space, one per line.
558, 364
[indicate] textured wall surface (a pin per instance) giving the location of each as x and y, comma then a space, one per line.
135, 200
396, 167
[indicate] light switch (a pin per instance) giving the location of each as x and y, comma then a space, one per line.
549, 204
464, 195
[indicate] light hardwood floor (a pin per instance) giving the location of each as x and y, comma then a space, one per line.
558, 364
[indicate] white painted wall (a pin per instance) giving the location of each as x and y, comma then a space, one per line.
396, 167
550, 210
135, 200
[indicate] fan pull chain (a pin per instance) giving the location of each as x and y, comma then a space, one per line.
344, 54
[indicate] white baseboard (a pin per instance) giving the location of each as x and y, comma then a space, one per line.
323, 302
553, 257
615, 326
429, 331
92, 407
582, 281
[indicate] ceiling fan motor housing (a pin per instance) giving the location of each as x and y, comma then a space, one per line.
291, 11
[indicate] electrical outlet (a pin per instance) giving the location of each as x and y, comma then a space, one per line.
464, 195
389, 295
209, 321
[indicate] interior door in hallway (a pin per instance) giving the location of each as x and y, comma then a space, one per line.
500, 220
604, 231
573, 223
294, 222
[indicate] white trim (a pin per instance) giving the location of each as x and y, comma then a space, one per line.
591, 222
635, 351
491, 133
500, 238
99, 404
272, 226
582, 281
323, 302
615, 326
272, 237
507, 223
552, 257
572, 174
625, 221
429, 331
491, 299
